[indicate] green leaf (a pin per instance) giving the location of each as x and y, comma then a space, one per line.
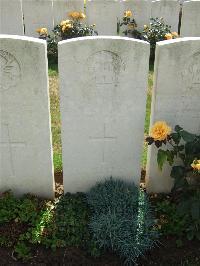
178, 128
170, 157
177, 172
161, 158
195, 210
190, 235
176, 137
187, 137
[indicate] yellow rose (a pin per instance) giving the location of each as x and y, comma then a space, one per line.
42, 31
64, 22
82, 15
66, 27
128, 14
175, 34
74, 15
160, 131
168, 36
38, 30
145, 27
196, 165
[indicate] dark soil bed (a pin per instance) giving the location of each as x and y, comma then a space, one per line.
165, 254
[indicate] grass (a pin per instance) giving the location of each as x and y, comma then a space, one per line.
55, 117
56, 121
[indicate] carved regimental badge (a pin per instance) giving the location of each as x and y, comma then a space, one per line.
10, 71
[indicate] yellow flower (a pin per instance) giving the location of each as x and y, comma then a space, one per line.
64, 22
196, 165
66, 27
74, 15
168, 36
160, 130
145, 27
42, 31
175, 34
128, 14
38, 30
82, 15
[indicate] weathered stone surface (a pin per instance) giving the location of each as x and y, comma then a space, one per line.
169, 10
25, 134
61, 9
176, 98
37, 14
11, 18
103, 83
104, 14
190, 23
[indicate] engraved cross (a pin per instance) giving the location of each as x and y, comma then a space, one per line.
7, 142
104, 139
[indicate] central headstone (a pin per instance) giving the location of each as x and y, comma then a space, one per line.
103, 96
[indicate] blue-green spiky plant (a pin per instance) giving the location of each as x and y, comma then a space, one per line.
122, 219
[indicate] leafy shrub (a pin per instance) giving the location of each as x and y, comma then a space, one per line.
122, 219
8, 207
170, 222
129, 25
67, 29
186, 147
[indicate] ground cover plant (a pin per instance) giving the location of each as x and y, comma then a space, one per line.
122, 219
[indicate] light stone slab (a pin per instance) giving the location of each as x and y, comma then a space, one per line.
104, 14
25, 134
103, 84
141, 10
37, 14
61, 9
169, 10
176, 98
190, 23
11, 17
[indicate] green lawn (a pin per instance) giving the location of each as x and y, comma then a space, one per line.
56, 123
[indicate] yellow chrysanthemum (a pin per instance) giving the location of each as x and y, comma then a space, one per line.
175, 34
128, 14
196, 165
64, 22
168, 36
74, 15
82, 15
160, 130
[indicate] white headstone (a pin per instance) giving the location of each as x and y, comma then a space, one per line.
190, 23
37, 14
25, 132
11, 17
141, 10
61, 9
169, 10
176, 98
103, 82
104, 14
